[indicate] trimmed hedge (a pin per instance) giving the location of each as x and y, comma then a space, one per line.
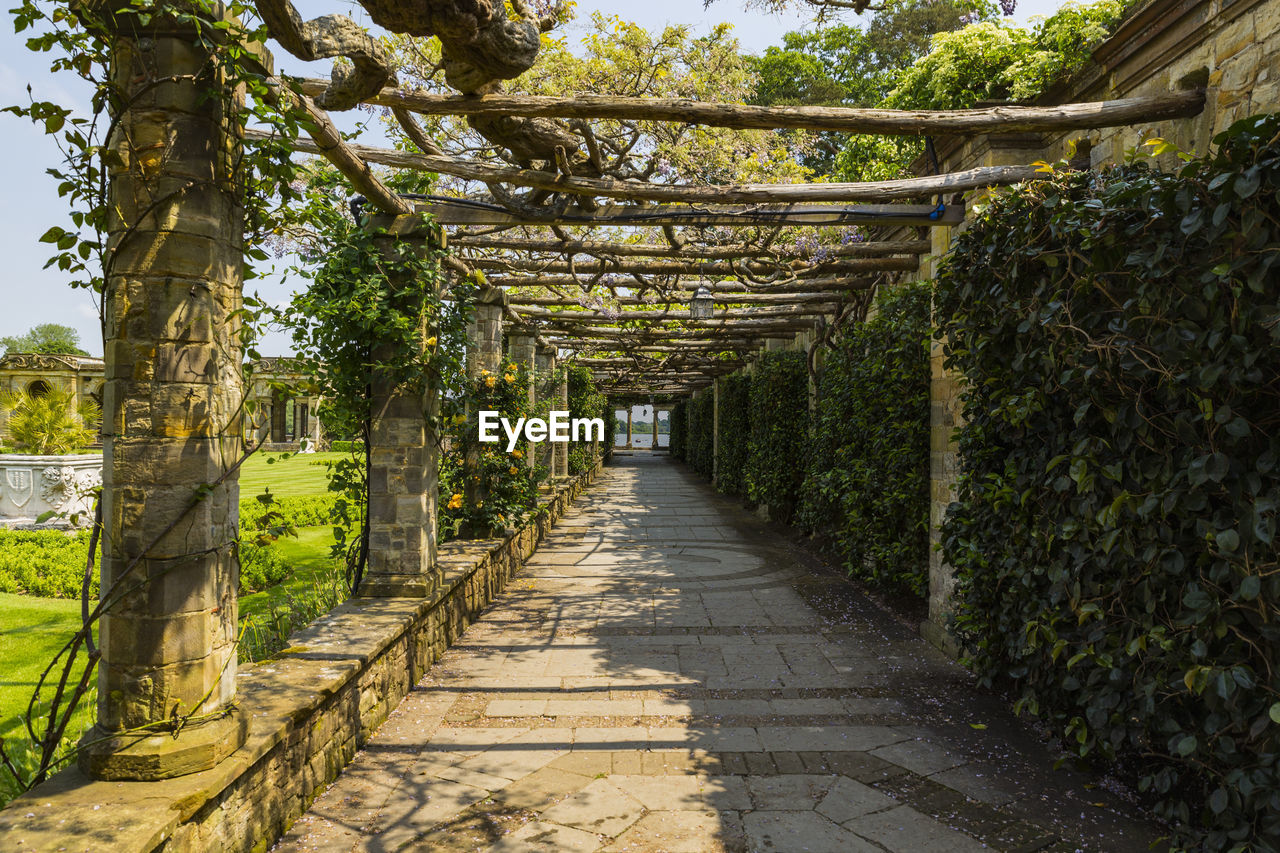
699, 439
679, 429
1115, 535
585, 402
779, 417
735, 426
47, 563
341, 446
867, 485
296, 511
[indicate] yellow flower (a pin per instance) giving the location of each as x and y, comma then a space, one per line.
518, 453
432, 341
510, 377
455, 502
515, 470
459, 419
489, 381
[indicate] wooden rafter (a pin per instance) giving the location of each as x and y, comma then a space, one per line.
1007, 119
868, 249
655, 267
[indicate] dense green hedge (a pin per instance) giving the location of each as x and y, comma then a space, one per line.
47, 563
298, 511
779, 418
341, 446
1114, 537
699, 436
679, 429
867, 485
50, 564
735, 426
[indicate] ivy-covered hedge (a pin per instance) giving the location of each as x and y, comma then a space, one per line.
699, 446
292, 511
1115, 535
735, 425
779, 416
867, 485
679, 429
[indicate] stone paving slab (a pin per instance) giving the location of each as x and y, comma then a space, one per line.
665, 678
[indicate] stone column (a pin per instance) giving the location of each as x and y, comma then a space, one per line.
654, 410
629, 408
545, 363
521, 347
484, 356
404, 463
171, 418
944, 418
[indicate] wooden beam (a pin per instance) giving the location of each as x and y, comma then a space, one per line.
469, 212
680, 299
806, 285
868, 249
844, 193
683, 315
1010, 119
646, 267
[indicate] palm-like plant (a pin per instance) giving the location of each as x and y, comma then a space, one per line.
48, 423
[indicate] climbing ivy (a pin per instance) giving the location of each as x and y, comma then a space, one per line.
680, 430
1114, 538
866, 490
779, 418
699, 435
735, 424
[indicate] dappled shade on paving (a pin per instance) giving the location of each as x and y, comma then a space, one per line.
667, 676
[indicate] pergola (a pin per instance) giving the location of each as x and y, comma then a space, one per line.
586, 259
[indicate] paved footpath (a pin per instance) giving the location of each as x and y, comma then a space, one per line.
668, 676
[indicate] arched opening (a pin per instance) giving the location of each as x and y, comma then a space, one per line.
38, 388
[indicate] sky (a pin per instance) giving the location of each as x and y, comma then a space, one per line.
30, 295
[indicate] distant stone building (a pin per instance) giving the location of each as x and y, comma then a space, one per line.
38, 374
282, 408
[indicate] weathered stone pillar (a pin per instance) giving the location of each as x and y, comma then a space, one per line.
403, 462
944, 418
547, 392
629, 408
653, 408
484, 357
521, 349
171, 417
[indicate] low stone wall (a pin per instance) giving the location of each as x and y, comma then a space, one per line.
31, 486
311, 708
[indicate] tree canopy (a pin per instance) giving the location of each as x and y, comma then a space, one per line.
46, 339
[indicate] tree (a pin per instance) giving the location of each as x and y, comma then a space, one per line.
47, 339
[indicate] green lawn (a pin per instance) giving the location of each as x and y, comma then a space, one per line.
32, 630
308, 554
300, 474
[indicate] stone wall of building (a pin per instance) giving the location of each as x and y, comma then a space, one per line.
310, 708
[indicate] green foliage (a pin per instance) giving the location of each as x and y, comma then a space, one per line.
867, 485
1115, 533
585, 402
346, 446
991, 61
295, 511
47, 563
48, 423
779, 418
261, 566
508, 484
264, 634
735, 423
699, 438
680, 430
45, 338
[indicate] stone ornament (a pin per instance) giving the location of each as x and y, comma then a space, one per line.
19, 481
60, 484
